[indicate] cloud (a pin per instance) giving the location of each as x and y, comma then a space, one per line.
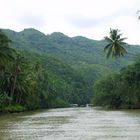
31, 19
90, 18
82, 22
85, 22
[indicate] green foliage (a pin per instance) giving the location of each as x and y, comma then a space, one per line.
119, 90
4, 100
105, 92
14, 108
6, 53
59, 103
74, 63
47, 82
55, 70
115, 44
73, 51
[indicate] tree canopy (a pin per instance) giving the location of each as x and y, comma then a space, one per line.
115, 44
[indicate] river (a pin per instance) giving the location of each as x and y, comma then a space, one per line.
85, 123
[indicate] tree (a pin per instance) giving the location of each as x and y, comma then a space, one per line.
6, 53
115, 44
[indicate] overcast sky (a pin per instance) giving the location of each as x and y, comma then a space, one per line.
89, 18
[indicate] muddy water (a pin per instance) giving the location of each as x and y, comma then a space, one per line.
71, 124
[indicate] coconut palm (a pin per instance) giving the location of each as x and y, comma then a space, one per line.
115, 44
16, 73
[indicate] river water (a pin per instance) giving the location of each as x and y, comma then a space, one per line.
71, 124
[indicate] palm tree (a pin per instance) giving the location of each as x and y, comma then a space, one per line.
115, 44
15, 75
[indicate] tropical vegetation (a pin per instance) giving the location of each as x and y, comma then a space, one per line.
115, 44
30, 80
119, 90
47, 71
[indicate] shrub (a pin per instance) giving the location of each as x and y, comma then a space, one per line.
15, 108
59, 103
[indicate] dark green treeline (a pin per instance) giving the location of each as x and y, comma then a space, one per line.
30, 80
119, 90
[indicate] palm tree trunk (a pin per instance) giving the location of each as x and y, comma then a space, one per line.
20, 97
12, 90
17, 98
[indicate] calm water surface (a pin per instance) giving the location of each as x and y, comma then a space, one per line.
71, 124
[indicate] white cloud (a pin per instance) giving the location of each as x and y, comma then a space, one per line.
90, 18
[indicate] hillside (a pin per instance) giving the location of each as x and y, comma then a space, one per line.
77, 50
84, 55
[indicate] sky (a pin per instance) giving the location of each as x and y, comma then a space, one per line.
89, 18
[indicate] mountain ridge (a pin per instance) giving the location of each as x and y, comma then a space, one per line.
76, 50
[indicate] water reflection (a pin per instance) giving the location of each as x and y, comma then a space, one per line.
71, 124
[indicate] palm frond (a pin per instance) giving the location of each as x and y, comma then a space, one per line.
123, 50
116, 43
108, 39
107, 46
121, 39
109, 52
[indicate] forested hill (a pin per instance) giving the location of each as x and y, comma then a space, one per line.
84, 55
70, 66
76, 50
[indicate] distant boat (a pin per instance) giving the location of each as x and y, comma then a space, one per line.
89, 105
73, 105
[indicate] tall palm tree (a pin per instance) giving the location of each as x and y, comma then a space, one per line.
15, 75
115, 44
6, 54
